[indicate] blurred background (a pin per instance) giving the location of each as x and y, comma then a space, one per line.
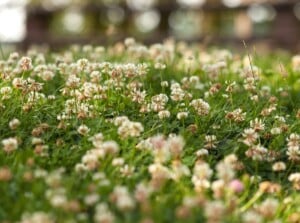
58, 23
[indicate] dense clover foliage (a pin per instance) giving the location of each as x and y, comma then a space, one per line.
160, 133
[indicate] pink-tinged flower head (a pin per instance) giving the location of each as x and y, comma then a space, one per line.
236, 185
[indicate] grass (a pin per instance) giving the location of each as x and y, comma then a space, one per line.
148, 164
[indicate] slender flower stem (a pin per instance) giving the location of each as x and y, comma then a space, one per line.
251, 201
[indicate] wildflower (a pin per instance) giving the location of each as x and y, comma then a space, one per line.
28, 176
278, 166
130, 129
14, 56
144, 145
293, 150
72, 206
298, 114
250, 136
138, 96
194, 80
58, 200
296, 63
225, 171
293, 140
129, 42
14, 123
230, 87
6, 92
177, 94
163, 114
267, 111
90, 161
215, 88
201, 153
257, 152
110, 147
182, 115
82, 64
160, 150
103, 214
19, 83
192, 128
252, 217
188, 202
210, 142
236, 186
257, 125
127, 170
269, 187
294, 217
179, 170
158, 102
201, 107
268, 207
295, 179
142, 192
275, 131
214, 211
249, 84
231, 159
80, 167
254, 98
91, 199
201, 175
175, 144
218, 188
36, 141
37, 217
164, 84
123, 200
46, 75
99, 176
159, 174
236, 115
73, 82
97, 140
95, 76
83, 130
10, 144
160, 66
118, 161
5, 174
25, 63
51, 97
120, 120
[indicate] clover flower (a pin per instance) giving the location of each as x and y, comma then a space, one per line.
83, 130
10, 144
201, 107
295, 179
14, 123
249, 136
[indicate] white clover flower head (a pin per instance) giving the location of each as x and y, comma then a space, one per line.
14, 123
25, 63
164, 114
296, 63
110, 147
83, 130
201, 106
10, 144
103, 214
182, 115
37, 217
202, 152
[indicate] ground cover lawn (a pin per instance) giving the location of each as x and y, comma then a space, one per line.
163, 133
